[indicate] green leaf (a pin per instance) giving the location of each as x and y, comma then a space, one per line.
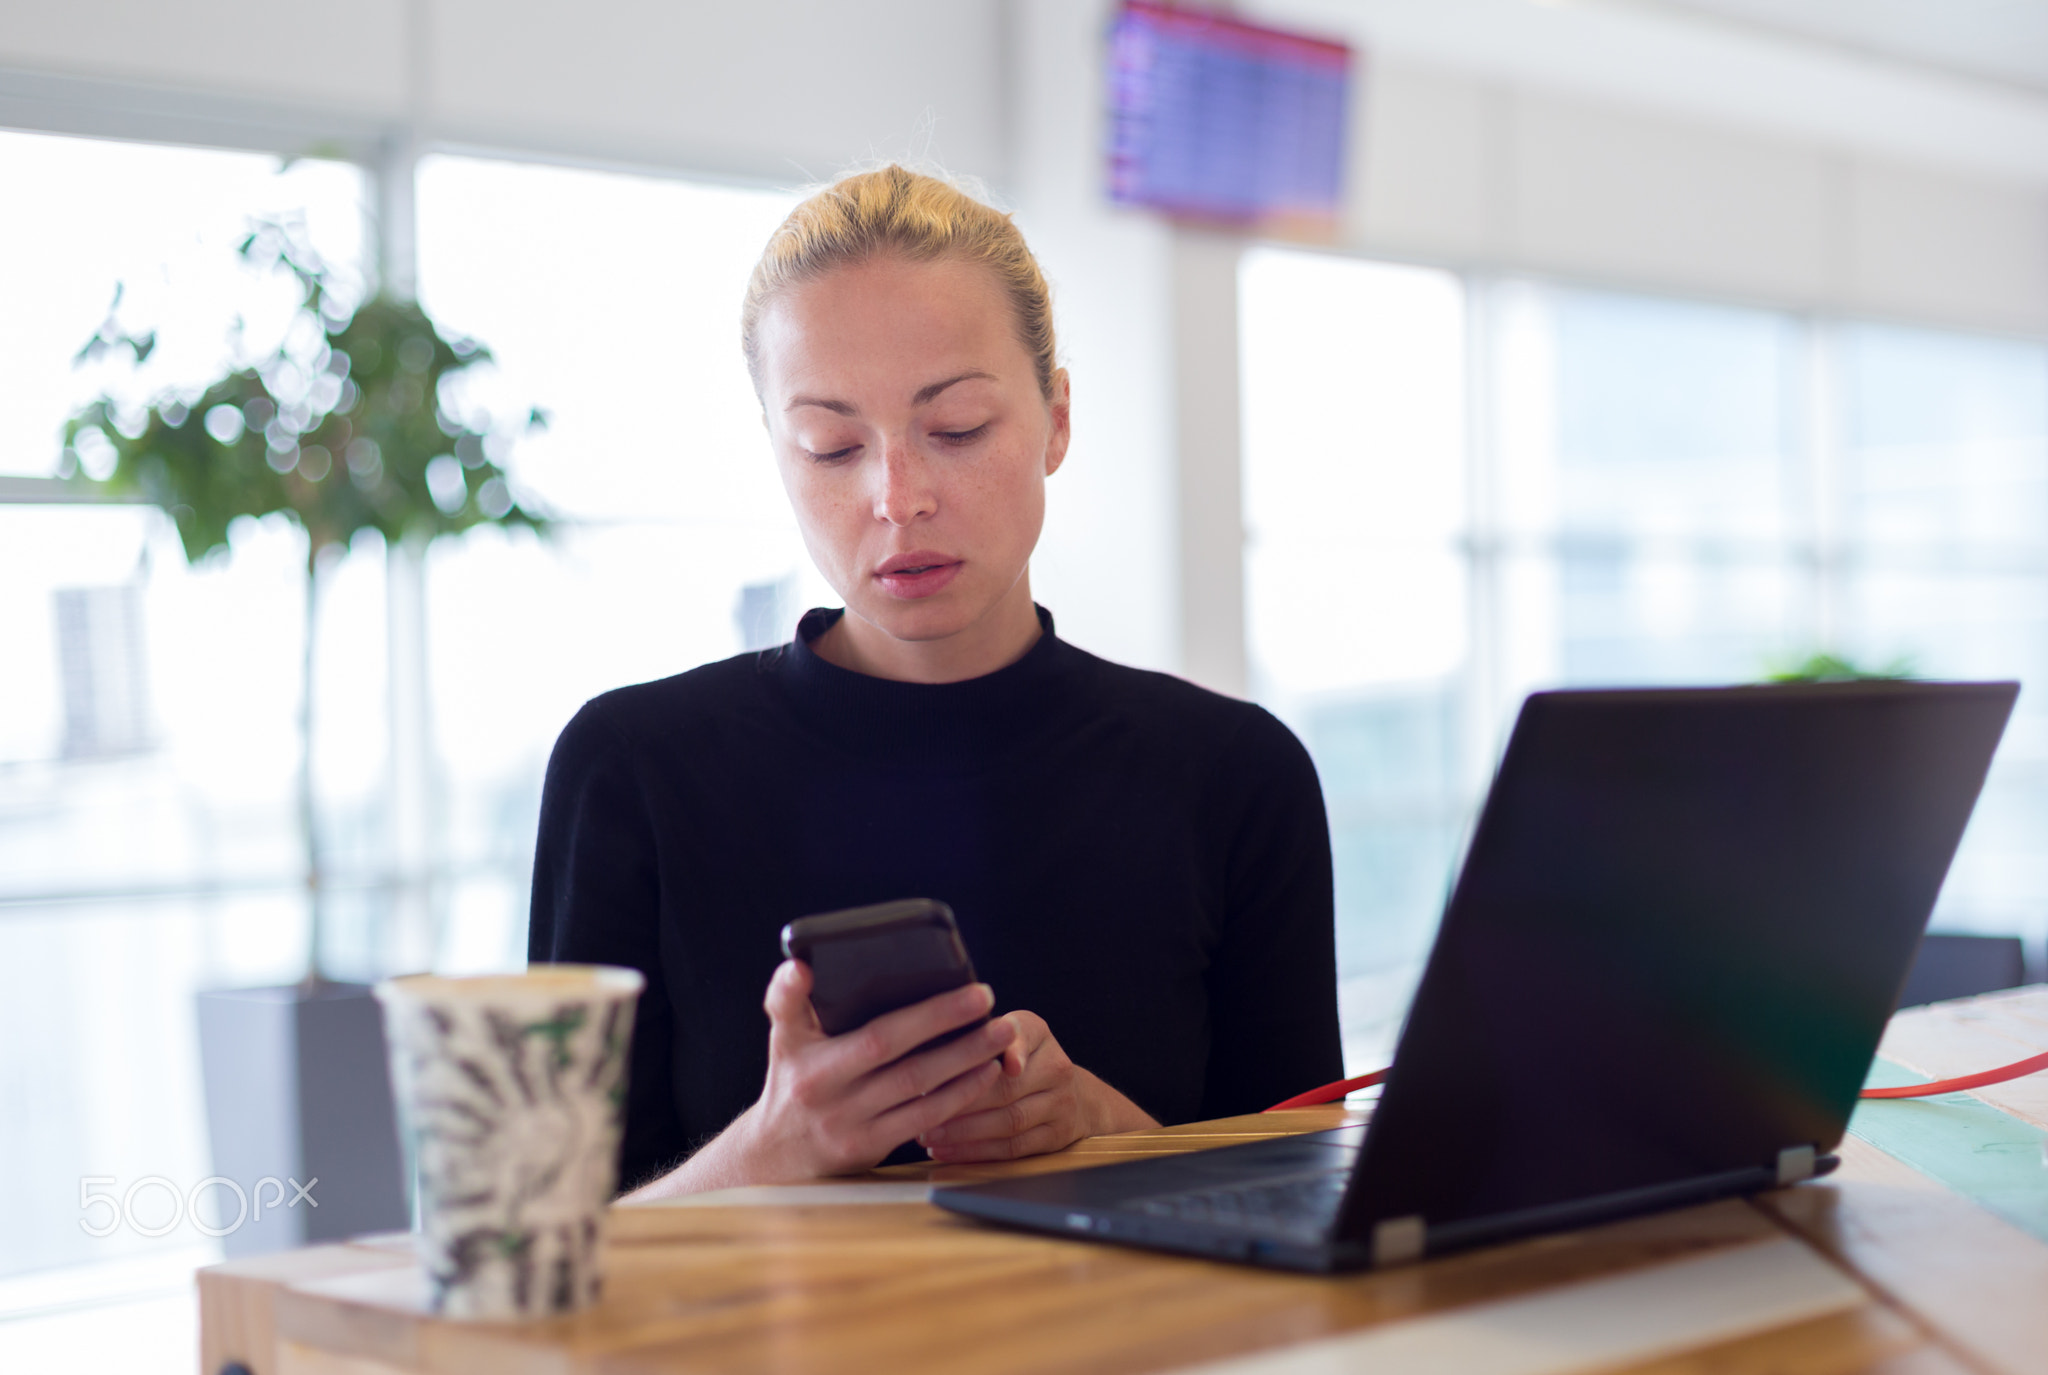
1825, 667
366, 468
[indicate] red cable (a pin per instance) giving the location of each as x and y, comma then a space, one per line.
1330, 1093
2031, 1065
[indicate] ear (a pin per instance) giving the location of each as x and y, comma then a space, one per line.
1061, 406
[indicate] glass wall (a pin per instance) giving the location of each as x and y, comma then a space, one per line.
1944, 567
611, 302
1459, 492
148, 743
1357, 585
148, 710
1674, 454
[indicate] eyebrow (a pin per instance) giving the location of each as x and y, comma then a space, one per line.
924, 394
927, 393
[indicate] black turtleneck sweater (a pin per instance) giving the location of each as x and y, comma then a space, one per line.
1143, 863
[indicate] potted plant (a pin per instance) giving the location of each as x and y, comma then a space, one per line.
342, 428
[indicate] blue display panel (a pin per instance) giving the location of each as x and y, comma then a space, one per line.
1215, 119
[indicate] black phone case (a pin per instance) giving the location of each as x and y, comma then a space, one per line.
866, 961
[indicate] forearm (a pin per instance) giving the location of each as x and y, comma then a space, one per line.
730, 1160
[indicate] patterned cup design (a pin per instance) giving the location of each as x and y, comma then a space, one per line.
512, 1089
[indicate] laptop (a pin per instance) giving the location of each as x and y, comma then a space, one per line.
1681, 924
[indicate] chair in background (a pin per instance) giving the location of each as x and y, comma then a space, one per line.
1963, 966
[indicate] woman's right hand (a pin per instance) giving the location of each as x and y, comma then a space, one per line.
838, 1104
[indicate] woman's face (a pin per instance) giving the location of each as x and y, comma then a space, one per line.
913, 440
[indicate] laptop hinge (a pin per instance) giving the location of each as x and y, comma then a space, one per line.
1794, 1164
1398, 1239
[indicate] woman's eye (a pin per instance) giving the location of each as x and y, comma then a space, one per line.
962, 436
836, 456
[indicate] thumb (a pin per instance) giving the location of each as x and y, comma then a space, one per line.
791, 1018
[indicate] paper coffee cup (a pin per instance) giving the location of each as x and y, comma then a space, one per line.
512, 1093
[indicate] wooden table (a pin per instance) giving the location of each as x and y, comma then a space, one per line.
1878, 1268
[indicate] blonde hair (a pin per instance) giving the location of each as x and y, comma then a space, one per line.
922, 218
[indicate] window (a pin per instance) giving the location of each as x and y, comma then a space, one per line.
1357, 586
613, 303
147, 738
1649, 491
1943, 565
1659, 496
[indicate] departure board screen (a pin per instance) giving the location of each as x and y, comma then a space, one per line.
1216, 119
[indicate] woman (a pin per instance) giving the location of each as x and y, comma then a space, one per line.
1140, 868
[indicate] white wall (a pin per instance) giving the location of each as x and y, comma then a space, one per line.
1657, 59
788, 89
291, 51
1605, 143
1142, 554
1107, 563
1451, 168
783, 90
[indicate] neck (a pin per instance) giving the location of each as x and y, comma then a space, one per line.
995, 640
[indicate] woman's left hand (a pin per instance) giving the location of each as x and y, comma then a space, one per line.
1042, 1102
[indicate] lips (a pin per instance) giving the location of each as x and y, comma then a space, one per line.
919, 573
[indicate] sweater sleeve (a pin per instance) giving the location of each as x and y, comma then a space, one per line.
1273, 980
597, 900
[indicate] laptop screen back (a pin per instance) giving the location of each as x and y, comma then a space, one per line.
1682, 922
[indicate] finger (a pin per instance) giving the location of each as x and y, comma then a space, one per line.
914, 1076
988, 1124
1006, 1089
893, 1034
1041, 1139
791, 1017
1033, 1035
1017, 1054
907, 1121
1001, 1090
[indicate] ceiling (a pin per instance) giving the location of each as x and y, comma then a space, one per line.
1999, 40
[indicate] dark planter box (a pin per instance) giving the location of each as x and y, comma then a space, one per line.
298, 1088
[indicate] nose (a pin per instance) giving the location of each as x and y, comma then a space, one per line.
903, 489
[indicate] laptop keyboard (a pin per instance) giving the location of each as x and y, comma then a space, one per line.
1301, 1203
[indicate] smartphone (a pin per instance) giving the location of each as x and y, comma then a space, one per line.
866, 961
